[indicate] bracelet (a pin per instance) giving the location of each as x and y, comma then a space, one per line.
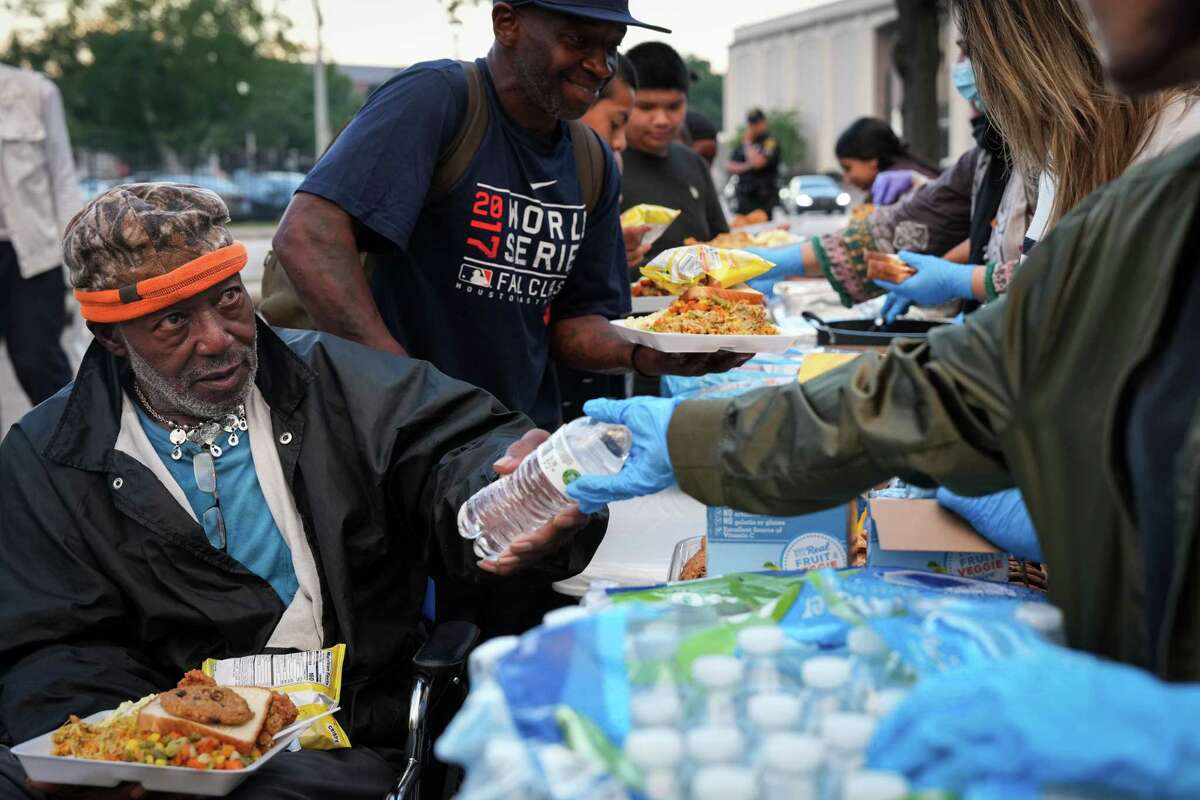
633, 361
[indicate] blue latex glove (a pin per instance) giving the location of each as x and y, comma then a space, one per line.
890, 186
1000, 518
937, 281
647, 470
1055, 718
788, 261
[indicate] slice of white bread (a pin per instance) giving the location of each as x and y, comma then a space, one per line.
243, 737
732, 295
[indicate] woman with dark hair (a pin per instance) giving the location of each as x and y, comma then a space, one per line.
870, 146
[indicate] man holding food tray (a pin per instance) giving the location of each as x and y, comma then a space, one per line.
209, 487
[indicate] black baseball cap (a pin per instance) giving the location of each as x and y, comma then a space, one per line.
602, 10
755, 115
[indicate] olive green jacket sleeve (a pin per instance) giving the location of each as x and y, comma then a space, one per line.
930, 412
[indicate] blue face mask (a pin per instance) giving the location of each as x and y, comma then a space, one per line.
963, 76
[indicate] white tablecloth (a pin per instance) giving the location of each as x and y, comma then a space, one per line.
642, 533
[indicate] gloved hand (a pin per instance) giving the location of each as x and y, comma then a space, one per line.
937, 281
1001, 518
788, 261
647, 470
1054, 718
889, 186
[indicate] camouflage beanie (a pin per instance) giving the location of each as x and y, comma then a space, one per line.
142, 230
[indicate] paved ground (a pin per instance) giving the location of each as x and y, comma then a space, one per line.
258, 241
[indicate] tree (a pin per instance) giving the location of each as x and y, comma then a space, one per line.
141, 78
918, 59
707, 95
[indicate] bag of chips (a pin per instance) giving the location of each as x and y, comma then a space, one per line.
659, 218
313, 681
680, 268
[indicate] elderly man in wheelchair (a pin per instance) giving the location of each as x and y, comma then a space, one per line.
209, 487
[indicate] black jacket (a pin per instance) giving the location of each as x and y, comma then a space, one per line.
109, 590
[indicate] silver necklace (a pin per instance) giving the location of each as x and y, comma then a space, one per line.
204, 434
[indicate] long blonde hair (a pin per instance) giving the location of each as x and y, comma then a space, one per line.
1039, 73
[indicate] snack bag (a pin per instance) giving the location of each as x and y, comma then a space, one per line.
680, 268
313, 681
659, 218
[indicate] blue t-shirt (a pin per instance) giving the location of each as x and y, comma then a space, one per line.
251, 535
471, 281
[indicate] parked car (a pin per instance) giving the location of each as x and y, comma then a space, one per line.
269, 192
234, 197
814, 193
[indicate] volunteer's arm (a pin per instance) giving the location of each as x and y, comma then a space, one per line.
590, 343
316, 246
67, 646
930, 412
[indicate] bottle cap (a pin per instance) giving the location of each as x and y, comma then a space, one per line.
717, 672
848, 732
883, 702
658, 642
715, 745
826, 672
564, 616
655, 748
723, 783
772, 711
655, 708
866, 643
792, 753
1044, 618
761, 640
484, 657
874, 785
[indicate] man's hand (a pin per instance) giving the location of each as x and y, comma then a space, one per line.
635, 251
531, 548
652, 362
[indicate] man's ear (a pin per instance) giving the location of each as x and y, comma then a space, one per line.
110, 337
506, 25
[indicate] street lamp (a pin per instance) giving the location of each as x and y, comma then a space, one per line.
320, 99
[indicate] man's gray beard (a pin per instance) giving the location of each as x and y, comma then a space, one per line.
538, 86
167, 396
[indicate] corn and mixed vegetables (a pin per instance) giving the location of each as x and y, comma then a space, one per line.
120, 740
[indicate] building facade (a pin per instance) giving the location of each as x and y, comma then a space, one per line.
831, 65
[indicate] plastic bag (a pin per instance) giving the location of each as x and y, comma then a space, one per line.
312, 679
680, 268
659, 218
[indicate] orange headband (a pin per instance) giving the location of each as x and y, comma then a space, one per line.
153, 294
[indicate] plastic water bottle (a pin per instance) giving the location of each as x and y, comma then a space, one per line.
536, 493
658, 752
596, 596
773, 713
762, 644
790, 765
826, 678
718, 677
656, 709
883, 702
566, 615
846, 738
1044, 618
715, 744
875, 785
870, 668
723, 783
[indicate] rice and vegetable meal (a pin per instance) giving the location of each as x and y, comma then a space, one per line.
710, 315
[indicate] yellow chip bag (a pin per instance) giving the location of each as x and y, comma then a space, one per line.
659, 218
313, 681
678, 269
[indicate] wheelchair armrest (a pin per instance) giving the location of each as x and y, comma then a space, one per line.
447, 648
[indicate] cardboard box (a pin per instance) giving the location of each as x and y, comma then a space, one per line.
920, 534
742, 542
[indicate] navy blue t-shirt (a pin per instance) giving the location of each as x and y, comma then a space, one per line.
471, 281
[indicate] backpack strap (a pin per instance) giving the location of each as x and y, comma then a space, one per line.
589, 162
457, 158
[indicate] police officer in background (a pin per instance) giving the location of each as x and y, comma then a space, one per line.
756, 163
